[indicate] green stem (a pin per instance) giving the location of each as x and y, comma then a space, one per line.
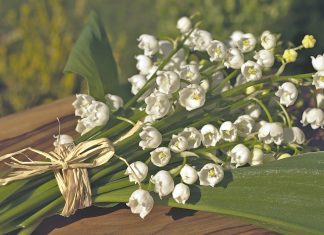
289, 123
265, 109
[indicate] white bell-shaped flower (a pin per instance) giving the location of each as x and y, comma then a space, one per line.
178, 144
246, 43
193, 137
188, 174
163, 183
137, 81
271, 133
168, 82
320, 100
160, 156
201, 39
235, 59
318, 80
318, 62
165, 47
149, 44
257, 157
204, 84
137, 171
211, 174
251, 71
240, 155
264, 58
192, 97
157, 104
294, 135
235, 37
217, 51
184, 24
66, 140
115, 102
151, 138
228, 131
313, 117
253, 110
181, 193
268, 40
210, 135
98, 115
287, 93
81, 104
244, 125
190, 73
144, 64
140, 202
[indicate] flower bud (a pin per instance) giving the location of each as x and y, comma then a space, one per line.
181, 193
308, 41
257, 157
188, 174
163, 183
138, 168
184, 24
290, 55
283, 156
140, 202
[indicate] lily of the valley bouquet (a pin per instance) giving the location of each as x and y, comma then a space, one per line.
212, 126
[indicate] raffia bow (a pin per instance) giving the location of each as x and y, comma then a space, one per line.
69, 167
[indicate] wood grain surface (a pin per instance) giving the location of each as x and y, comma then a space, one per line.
36, 127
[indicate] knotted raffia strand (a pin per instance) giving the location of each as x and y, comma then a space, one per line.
69, 166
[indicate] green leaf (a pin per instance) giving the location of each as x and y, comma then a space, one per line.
284, 196
92, 58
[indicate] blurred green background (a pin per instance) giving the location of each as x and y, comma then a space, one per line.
37, 35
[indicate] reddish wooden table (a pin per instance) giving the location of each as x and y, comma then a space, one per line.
36, 127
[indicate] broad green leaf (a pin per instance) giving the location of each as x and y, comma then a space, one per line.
284, 196
92, 58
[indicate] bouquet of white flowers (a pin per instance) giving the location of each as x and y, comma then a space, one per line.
207, 129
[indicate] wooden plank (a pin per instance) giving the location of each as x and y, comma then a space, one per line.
36, 127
